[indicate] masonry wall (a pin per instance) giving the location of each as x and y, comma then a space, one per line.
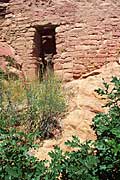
87, 33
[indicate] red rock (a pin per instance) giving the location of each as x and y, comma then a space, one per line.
6, 50
83, 103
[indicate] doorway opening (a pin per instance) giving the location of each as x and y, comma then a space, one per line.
46, 47
3, 7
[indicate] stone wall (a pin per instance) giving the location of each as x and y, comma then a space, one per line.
87, 33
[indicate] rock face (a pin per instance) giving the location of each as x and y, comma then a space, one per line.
85, 34
84, 103
7, 51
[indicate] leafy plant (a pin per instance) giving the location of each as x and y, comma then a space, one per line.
92, 160
98, 160
15, 160
81, 163
107, 128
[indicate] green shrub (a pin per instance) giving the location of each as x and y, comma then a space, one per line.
98, 160
46, 106
107, 128
38, 106
12, 96
75, 165
16, 163
93, 160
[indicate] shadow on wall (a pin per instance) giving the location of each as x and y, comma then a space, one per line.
45, 48
3, 7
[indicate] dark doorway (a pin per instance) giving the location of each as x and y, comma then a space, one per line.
3, 7
46, 47
4, 1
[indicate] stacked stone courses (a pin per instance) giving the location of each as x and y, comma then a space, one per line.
87, 33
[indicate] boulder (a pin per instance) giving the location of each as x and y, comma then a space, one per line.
83, 104
5, 52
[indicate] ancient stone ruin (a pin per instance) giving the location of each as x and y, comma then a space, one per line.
69, 37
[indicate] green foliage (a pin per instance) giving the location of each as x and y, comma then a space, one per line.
15, 160
9, 114
92, 160
81, 163
107, 128
46, 106
111, 94
56, 164
98, 160
38, 106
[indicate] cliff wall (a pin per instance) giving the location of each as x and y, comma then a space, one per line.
87, 33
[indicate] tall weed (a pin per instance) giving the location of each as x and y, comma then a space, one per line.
93, 160
46, 106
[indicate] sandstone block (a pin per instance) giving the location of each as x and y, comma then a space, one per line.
58, 66
68, 65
